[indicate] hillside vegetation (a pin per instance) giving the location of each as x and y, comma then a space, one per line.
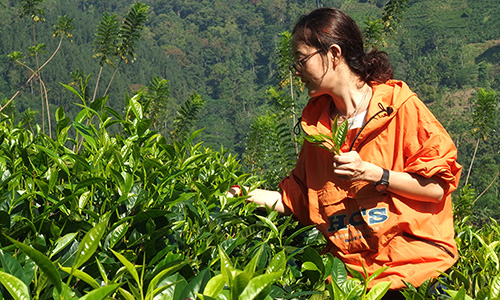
226, 52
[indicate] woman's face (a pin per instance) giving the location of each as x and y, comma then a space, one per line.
312, 66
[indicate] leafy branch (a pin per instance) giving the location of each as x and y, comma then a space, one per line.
334, 142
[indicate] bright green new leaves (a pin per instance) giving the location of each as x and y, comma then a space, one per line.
16, 288
244, 284
341, 287
331, 143
128, 265
101, 293
89, 243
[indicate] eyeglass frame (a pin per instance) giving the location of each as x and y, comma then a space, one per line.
299, 64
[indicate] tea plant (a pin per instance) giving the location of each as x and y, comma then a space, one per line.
331, 143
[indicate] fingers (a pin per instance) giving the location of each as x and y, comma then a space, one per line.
348, 166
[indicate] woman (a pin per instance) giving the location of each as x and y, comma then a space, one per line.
385, 200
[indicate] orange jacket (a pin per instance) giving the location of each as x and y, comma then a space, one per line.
415, 239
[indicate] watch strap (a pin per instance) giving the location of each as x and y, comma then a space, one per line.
385, 178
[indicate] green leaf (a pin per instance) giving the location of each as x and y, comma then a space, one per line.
313, 256
195, 285
127, 295
339, 273
352, 289
278, 263
63, 242
340, 135
258, 284
458, 295
240, 281
128, 265
357, 275
12, 266
252, 265
55, 158
375, 274
296, 233
136, 107
166, 272
89, 244
60, 114
80, 161
335, 125
16, 288
214, 286
495, 287
309, 266
101, 293
117, 234
492, 254
73, 90
87, 134
82, 275
42, 261
315, 139
102, 271
226, 268
269, 225
65, 294
378, 291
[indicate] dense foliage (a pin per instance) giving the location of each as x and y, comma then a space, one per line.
226, 52
135, 215
106, 190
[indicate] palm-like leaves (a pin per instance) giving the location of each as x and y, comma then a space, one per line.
130, 31
31, 8
106, 38
63, 27
186, 116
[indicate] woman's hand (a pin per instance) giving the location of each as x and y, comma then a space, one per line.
262, 197
350, 166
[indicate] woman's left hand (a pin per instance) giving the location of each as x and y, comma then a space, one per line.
350, 166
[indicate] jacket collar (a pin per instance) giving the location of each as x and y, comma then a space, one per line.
388, 96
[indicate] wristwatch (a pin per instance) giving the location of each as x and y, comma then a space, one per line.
382, 184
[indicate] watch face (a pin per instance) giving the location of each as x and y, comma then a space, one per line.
381, 187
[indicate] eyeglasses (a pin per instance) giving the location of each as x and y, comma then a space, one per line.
299, 64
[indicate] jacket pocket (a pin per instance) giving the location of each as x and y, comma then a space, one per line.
432, 243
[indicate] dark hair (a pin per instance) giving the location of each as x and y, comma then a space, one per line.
327, 26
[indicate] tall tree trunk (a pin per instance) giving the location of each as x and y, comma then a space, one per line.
471, 162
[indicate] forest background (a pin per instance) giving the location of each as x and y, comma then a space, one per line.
227, 52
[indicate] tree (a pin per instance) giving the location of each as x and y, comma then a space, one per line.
272, 144
106, 38
186, 116
377, 31
61, 30
127, 37
484, 120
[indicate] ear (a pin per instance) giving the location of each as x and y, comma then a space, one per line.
336, 53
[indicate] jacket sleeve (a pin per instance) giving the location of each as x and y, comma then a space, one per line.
429, 150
